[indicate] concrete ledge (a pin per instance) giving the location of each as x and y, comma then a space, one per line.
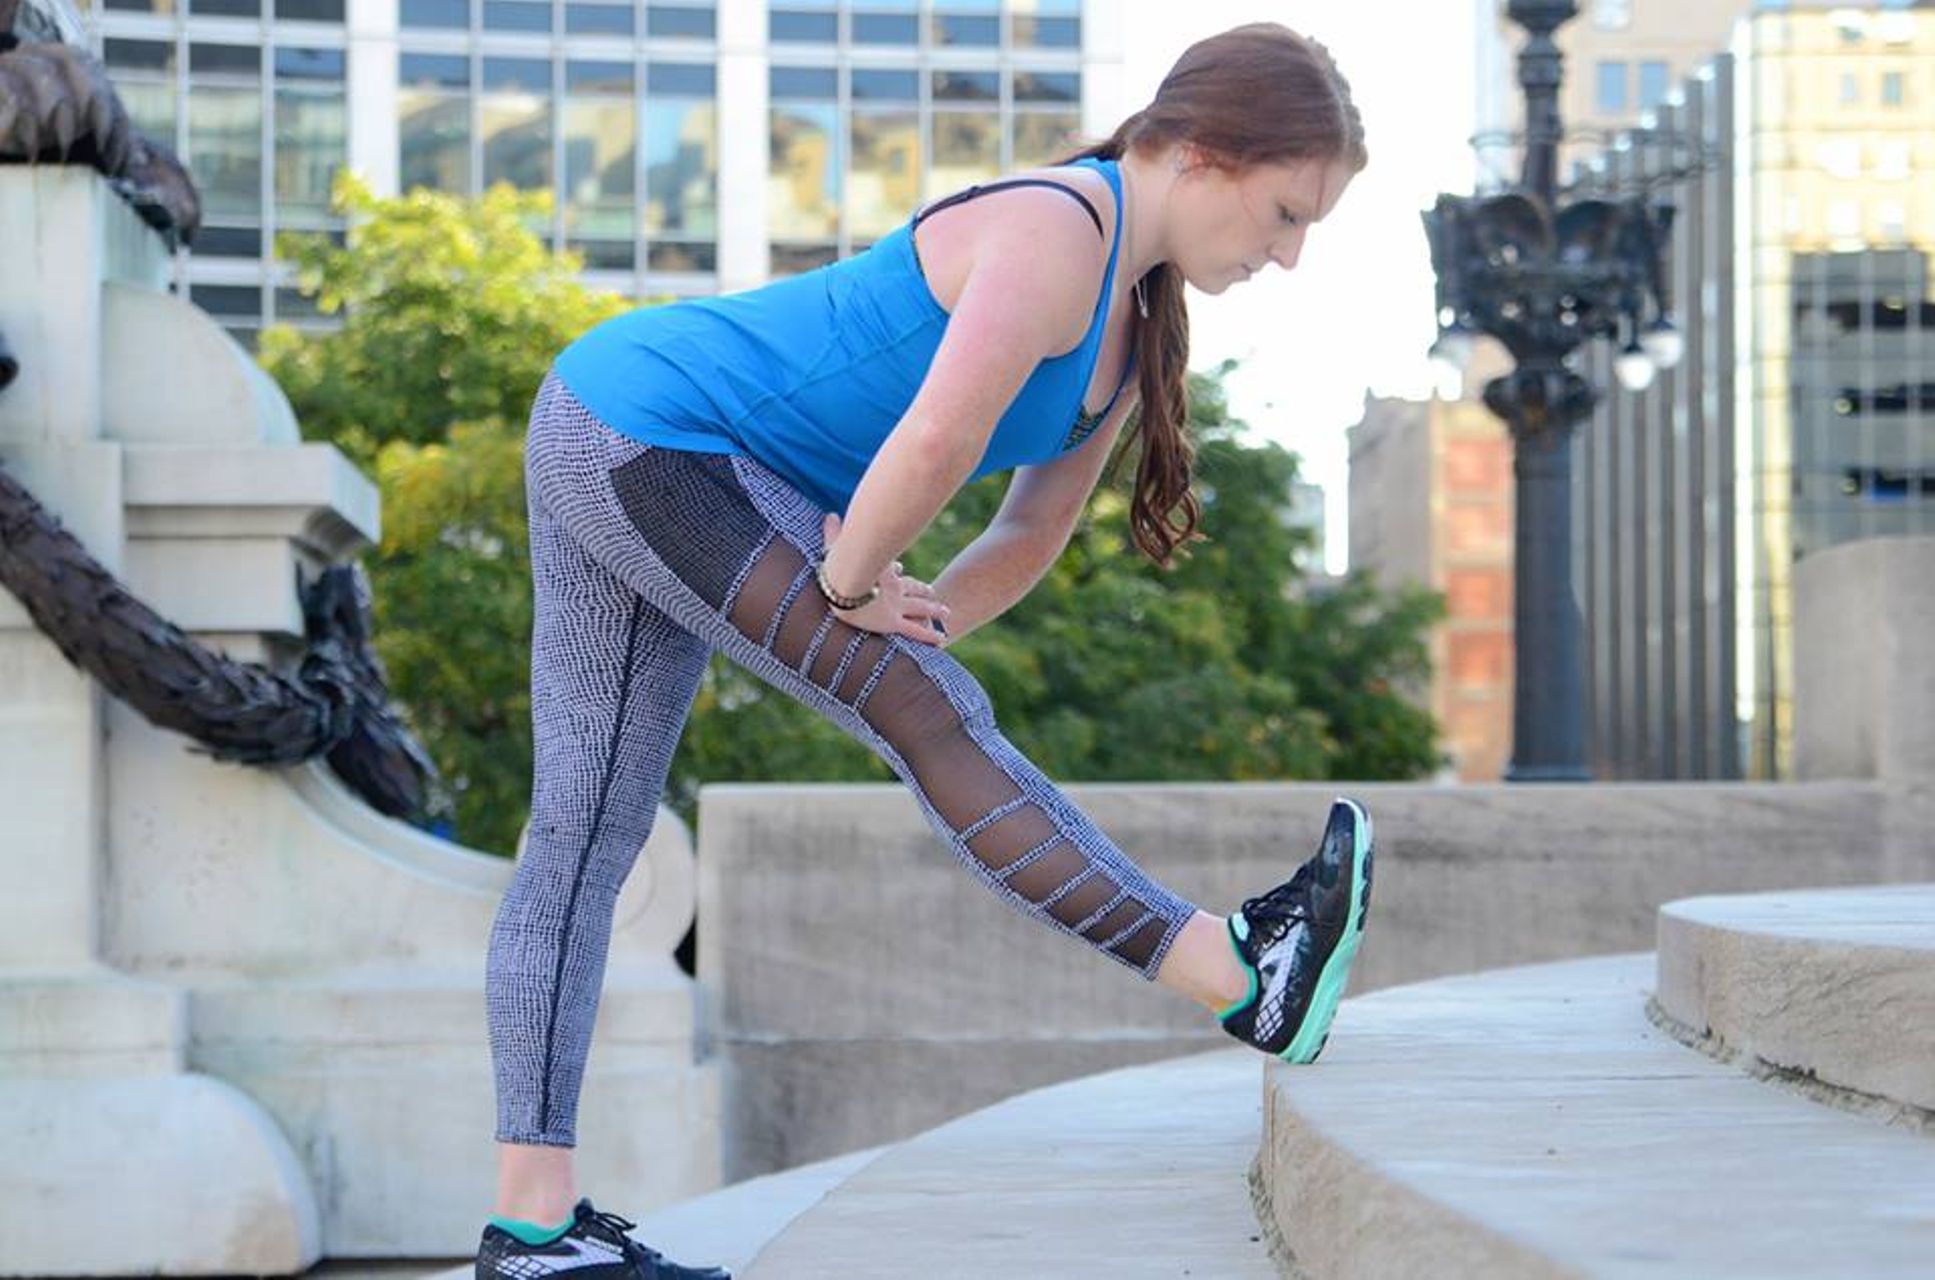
1833, 984
1532, 1122
1135, 1173
177, 1175
805, 890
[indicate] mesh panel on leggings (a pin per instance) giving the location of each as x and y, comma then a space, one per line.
719, 549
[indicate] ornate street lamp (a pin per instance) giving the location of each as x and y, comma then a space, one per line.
1544, 277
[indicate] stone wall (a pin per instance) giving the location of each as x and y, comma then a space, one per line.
861, 987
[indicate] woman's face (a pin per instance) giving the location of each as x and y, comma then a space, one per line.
1230, 225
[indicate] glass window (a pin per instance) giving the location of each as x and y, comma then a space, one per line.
433, 107
1049, 86
885, 28
693, 24
150, 104
883, 181
808, 83
1850, 89
675, 256
680, 80
1653, 79
1047, 33
446, 70
605, 255
514, 122
530, 76
309, 10
1893, 89
228, 242
226, 8
308, 64
966, 30
967, 149
604, 78
140, 55
877, 85
790, 26
1611, 97
598, 19
225, 149
1044, 136
230, 60
792, 259
517, 15
967, 86
433, 13
804, 181
1612, 15
142, 6
600, 155
311, 144
227, 299
681, 169
293, 304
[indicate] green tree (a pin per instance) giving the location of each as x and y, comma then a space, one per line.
452, 311
1222, 667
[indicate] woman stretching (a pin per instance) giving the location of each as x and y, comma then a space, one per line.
740, 473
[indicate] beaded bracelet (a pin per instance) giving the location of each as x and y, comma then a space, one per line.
834, 598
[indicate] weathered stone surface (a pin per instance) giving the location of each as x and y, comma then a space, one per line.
1533, 1123
863, 987
1137, 1173
1834, 984
1864, 687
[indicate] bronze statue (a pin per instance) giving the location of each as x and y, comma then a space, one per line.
57, 107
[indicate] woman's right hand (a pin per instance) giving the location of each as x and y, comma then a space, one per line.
905, 606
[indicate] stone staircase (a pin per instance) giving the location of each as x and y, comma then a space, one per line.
1543, 1121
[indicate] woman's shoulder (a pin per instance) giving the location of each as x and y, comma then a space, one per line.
1044, 229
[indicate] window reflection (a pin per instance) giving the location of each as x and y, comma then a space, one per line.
225, 149
967, 149
151, 105
600, 154
514, 122
884, 180
804, 176
433, 109
1041, 137
681, 169
311, 143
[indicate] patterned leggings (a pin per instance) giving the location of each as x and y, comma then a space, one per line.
643, 561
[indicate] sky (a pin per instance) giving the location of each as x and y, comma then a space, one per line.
1356, 312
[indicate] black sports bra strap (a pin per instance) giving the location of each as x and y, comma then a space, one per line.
982, 189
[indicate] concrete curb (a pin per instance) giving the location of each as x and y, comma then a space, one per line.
1833, 985
1532, 1122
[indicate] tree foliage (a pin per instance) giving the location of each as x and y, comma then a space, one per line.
1228, 666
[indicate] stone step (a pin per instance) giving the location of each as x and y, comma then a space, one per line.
1139, 1172
1829, 989
1534, 1122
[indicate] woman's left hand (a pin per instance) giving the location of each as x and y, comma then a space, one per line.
906, 606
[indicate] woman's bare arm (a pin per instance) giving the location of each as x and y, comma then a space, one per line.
1032, 278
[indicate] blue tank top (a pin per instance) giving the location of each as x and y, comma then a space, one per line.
809, 374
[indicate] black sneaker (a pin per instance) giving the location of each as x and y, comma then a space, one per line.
595, 1248
1298, 940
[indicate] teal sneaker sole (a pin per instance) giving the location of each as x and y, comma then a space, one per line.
1310, 1037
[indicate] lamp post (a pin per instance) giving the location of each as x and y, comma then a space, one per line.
1544, 277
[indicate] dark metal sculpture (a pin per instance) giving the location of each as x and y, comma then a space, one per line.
1543, 278
335, 705
58, 107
